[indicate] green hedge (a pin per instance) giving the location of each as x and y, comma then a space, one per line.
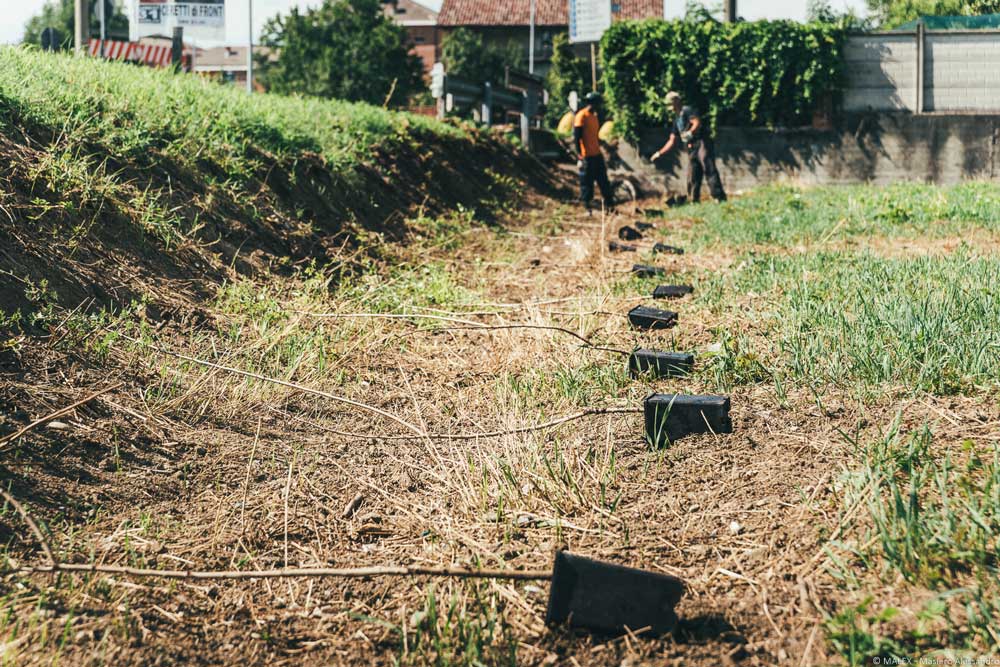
748, 73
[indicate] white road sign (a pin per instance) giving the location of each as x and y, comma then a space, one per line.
588, 19
201, 19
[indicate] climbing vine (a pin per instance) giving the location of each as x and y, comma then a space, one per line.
568, 72
767, 73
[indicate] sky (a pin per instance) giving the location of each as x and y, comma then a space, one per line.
15, 13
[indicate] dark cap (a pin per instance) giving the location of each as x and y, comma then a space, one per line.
592, 98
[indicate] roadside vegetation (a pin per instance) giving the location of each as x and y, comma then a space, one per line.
853, 513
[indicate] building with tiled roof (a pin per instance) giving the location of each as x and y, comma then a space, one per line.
508, 20
548, 13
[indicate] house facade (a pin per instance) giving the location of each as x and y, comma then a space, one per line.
421, 24
505, 21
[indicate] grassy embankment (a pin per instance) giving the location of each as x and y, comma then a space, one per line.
190, 179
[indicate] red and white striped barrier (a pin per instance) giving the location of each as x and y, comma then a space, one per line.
153, 55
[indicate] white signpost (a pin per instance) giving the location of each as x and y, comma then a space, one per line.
588, 19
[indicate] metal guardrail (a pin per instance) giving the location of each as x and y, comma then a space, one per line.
455, 94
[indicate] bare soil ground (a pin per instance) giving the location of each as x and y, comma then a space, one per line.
186, 467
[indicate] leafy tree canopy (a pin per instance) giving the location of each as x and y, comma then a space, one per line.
58, 14
344, 49
465, 54
821, 11
891, 13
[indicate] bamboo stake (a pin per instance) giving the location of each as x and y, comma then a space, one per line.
289, 573
471, 436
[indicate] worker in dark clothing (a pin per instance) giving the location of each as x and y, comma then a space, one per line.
590, 160
690, 130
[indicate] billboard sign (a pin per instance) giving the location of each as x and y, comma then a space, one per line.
588, 19
204, 19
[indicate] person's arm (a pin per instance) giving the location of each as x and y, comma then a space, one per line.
695, 125
577, 138
667, 147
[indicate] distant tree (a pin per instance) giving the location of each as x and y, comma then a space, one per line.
821, 11
58, 14
344, 49
465, 54
569, 72
891, 13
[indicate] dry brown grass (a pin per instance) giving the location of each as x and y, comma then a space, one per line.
191, 467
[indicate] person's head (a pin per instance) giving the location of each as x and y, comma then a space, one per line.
592, 100
675, 101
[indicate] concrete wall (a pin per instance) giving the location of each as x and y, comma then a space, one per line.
864, 148
881, 72
961, 71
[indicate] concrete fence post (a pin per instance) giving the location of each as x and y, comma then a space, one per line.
918, 106
487, 108
526, 112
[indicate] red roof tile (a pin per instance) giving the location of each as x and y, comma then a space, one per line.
547, 12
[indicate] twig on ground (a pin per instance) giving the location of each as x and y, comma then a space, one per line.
246, 481
289, 573
353, 506
391, 316
288, 489
540, 327
470, 325
468, 436
57, 413
31, 524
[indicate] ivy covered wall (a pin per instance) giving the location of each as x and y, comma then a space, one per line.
761, 73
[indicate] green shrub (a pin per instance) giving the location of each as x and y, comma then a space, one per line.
569, 72
343, 49
466, 54
748, 73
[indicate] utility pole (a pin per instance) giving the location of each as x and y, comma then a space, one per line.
593, 67
531, 40
104, 29
730, 11
81, 36
177, 48
250, 47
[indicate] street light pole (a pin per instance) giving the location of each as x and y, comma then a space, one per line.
531, 40
81, 37
104, 30
250, 47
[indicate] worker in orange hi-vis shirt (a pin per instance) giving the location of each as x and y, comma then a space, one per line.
590, 160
